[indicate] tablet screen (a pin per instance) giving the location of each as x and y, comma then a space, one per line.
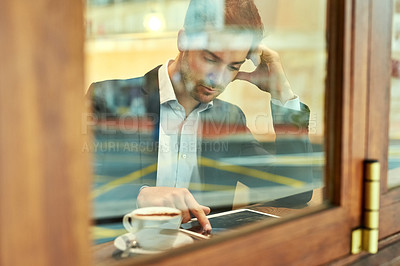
228, 220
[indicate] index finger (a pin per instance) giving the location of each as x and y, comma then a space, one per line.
196, 209
255, 56
268, 55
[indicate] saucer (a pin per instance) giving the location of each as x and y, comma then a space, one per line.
120, 243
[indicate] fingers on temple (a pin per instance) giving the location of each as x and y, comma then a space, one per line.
269, 55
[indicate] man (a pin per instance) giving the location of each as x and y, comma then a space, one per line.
179, 100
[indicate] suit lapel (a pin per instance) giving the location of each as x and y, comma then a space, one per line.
151, 96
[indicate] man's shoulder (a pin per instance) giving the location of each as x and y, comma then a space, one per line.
117, 84
125, 85
223, 111
221, 105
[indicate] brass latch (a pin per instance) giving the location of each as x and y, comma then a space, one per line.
366, 237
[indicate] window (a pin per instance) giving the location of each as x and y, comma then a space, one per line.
127, 39
350, 136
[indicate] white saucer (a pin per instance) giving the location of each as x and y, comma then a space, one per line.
120, 243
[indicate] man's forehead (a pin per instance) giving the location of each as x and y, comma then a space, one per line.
218, 41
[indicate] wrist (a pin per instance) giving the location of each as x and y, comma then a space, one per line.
284, 93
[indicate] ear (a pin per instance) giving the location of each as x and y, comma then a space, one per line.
182, 40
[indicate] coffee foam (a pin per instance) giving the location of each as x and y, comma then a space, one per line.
158, 214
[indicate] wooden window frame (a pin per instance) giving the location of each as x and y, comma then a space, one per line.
44, 56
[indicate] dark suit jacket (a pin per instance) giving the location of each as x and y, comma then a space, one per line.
132, 106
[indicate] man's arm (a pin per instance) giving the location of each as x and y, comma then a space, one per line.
290, 122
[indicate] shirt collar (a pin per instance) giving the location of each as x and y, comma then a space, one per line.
167, 91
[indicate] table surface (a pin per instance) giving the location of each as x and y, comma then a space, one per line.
107, 254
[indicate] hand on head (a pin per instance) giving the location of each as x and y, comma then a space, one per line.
269, 75
179, 198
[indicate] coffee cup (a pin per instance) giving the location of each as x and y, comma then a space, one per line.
155, 228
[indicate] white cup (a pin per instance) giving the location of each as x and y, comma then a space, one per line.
155, 228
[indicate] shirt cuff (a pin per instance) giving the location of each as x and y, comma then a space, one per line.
142, 187
293, 104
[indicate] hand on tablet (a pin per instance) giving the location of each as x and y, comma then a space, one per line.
179, 198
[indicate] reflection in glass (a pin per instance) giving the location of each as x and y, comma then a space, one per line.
240, 149
394, 126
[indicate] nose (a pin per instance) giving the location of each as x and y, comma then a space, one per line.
217, 78
212, 79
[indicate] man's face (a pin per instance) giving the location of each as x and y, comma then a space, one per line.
207, 72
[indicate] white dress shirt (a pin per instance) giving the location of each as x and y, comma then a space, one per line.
177, 153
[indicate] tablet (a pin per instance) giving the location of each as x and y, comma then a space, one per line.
224, 221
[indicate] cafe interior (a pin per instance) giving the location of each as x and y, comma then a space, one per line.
70, 176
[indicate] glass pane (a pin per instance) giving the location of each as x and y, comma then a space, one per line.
160, 130
394, 127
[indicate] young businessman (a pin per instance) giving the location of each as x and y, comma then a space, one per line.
180, 98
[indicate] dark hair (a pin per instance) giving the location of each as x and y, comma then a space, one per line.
238, 16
